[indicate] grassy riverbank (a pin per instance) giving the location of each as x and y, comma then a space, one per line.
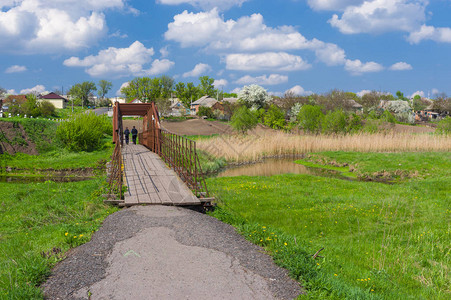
40, 221
380, 241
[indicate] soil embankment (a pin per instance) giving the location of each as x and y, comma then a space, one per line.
14, 139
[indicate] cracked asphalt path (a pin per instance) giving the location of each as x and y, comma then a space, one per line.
163, 252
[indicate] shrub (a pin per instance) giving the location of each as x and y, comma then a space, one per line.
46, 109
274, 117
388, 117
84, 132
243, 119
444, 126
310, 117
334, 122
206, 111
355, 123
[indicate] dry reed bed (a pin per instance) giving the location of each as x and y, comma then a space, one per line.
241, 148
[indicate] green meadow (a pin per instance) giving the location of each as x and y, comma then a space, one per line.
381, 241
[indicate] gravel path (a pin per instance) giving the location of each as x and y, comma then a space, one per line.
161, 252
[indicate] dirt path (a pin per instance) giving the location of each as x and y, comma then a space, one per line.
161, 252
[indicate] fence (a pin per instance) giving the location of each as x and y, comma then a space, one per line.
115, 172
180, 154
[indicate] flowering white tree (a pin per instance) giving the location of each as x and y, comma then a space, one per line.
254, 96
295, 111
402, 111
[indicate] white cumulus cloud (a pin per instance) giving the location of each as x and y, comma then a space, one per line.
272, 79
209, 31
218, 83
247, 33
356, 67
205, 4
436, 34
400, 66
38, 89
379, 16
198, 70
120, 62
363, 93
49, 26
332, 4
419, 93
299, 90
125, 84
16, 69
279, 61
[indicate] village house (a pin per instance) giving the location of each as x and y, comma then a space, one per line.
13, 100
57, 100
354, 106
206, 101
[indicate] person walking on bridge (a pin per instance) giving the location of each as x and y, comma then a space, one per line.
134, 134
127, 135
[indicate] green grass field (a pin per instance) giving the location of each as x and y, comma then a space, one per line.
40, 221
380, 241
41, 217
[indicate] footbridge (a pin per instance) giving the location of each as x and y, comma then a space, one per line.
163, 168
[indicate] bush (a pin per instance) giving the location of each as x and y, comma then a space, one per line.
355, 123
334, 122
388, 117
84, 132
444, 126
206, 111
274, 117
310, 117
243, 119
46, 109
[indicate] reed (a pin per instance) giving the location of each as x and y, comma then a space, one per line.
239, 148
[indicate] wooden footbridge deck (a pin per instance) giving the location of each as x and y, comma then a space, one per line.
150, 181
164, 169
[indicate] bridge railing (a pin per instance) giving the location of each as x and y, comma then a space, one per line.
180, 154
115, 172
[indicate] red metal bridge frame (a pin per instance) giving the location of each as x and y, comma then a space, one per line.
177, 151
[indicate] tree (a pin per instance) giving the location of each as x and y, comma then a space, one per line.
370, 101
186, 93
31, 106
442, 104
274, 117
334, 122
104, 88
418, 103
148, 89
243, 120
289, 99
229, 95
167, 85
82, 90
310, 117
206, 86
400, 96
206, 111
254, 96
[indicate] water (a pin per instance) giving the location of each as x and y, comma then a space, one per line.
33, 179
270, 167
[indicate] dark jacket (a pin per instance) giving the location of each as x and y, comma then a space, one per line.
134, 131
127, 132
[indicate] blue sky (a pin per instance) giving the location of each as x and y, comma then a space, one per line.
300, 45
